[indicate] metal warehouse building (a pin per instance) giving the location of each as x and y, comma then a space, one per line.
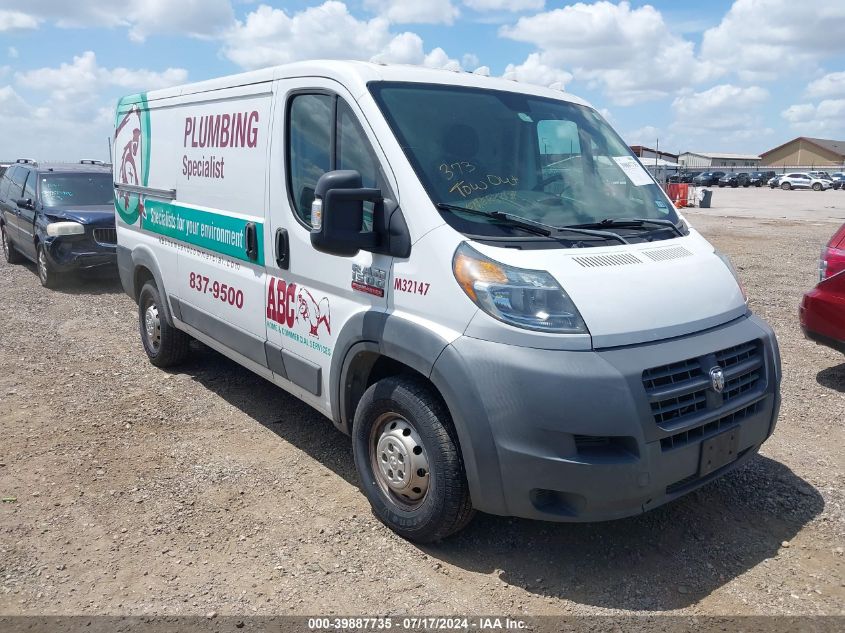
806, 152
710, 159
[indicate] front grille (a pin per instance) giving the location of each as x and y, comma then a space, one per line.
709, 429
107, 237
683, 391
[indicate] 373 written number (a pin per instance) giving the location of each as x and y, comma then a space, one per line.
224, 292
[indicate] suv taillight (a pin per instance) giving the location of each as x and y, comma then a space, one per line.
832, 260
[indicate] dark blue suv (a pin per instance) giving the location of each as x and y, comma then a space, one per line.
61, 216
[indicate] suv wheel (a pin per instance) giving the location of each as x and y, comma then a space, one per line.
817, 186
12, 256
47, 275
408, 461
786, 186
164, 344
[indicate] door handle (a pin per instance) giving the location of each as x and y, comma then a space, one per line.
282, 249
251, 240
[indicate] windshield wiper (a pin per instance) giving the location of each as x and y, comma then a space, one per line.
533, 226
631, 223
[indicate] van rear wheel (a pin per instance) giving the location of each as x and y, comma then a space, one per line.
164, 344
408, 460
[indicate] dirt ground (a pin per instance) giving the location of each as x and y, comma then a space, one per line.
132, 490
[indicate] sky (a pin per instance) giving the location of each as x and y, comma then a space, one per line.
704, 75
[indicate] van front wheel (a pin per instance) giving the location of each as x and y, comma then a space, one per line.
408, 460
164, 344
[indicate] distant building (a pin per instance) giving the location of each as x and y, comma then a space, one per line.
805, 152
646, 153
721, 159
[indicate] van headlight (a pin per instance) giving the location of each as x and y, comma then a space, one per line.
55, 229
529, 299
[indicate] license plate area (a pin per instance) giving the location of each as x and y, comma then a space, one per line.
718, 451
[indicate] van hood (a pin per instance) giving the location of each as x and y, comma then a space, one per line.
99, 215
638, 293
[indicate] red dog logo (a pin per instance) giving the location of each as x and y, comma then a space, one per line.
314, 313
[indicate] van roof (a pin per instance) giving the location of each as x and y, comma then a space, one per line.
355, 76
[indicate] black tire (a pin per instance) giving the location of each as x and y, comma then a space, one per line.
164, 344
47, 275
817, 186
402, 402
10, 253
786, 186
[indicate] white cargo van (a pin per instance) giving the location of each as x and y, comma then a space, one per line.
473, 277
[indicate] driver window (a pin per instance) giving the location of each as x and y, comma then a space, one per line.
30, 187
354, 152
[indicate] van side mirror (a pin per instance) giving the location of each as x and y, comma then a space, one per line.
337, 214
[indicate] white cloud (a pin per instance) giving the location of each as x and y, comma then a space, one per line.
12, 52
415, 11
196, 18
827, 118
646, 135
13, 20
505, 5
831, 85
77, 83
271, 36
11, 103
534, 71
761, 40
631, 53
722, 108
470, 61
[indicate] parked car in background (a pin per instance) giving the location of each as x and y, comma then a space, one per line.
774, 182
740, 179
822, 311
838, 179
760, 178
803, 180
683, 177
60, 216
707, 178
3, 167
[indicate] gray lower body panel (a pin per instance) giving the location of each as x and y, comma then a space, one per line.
573, 436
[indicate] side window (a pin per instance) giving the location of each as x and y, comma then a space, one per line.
309, 148
16, 188
31, 187
354, 152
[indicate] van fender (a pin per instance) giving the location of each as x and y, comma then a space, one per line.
380, 334
143, 256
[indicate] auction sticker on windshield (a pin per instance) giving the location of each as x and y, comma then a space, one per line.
632, 168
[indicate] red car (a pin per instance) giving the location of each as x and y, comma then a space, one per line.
822, 310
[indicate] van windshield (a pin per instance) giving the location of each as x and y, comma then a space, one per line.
545, 160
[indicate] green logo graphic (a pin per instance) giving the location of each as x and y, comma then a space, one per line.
132, 140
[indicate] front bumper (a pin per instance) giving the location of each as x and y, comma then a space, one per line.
82, 252
574, 436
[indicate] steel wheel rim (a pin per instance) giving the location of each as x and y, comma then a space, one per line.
152, 326
399, 461
42, 265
